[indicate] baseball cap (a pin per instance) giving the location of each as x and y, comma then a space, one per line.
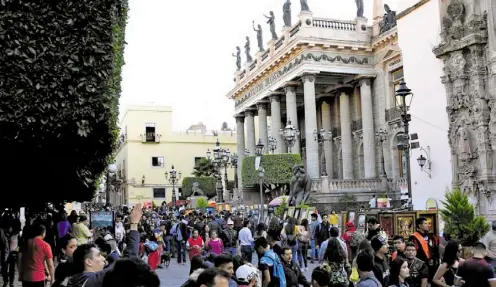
245, 274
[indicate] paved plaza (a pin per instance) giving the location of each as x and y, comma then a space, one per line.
176, 274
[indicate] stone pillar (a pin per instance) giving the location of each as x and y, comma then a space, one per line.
262, 126
240, 133
368, 129
250, 131
328, 149
346, 141
292, 114
312, 146
275, 110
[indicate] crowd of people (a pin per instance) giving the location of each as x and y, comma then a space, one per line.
63, 251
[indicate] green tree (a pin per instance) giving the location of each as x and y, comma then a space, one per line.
204, 167
60, 76
202, 203
280, 209
460, 219
206, 184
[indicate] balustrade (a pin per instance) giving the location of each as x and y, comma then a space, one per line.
334, 24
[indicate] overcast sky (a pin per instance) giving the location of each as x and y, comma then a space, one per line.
178, 52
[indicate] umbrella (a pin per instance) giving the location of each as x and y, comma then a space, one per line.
278, 200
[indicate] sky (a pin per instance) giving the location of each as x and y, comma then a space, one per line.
178, 52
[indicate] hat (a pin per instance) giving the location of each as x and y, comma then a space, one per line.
108, 237
245, 274
377, 242
230, 222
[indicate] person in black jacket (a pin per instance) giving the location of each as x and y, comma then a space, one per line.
294, 276
381, 266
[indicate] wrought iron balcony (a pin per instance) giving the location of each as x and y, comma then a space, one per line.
150, 137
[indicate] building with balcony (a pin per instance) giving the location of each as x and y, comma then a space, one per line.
149, 147
339, 76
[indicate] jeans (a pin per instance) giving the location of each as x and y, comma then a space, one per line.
181, 251
231, 250
247, 253
315, 250
168, 241
302, 253
8, 267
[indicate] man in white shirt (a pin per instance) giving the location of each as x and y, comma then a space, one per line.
245, 240
373, 202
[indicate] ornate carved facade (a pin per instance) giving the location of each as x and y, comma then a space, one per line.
469, 79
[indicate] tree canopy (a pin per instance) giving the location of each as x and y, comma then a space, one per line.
60, 76
278, 168
204, 167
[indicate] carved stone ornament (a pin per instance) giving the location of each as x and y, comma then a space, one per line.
492, 123
458, 63
308, 77
456, 10
240, 118
485, 191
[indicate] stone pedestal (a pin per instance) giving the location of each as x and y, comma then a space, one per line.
361, 28
306, 18
271, 46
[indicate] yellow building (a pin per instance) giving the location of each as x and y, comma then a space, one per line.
148, 149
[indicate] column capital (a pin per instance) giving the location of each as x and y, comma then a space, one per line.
276, 96
262, 105
308, 77
240, 118
366, 81
250, 112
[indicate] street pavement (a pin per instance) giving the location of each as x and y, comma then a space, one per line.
176, 274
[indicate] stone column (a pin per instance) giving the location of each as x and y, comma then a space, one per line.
368, 129
346, 141
326, 125
250, 131
262, 126
292, 114
312, 146
240, 133
275, 110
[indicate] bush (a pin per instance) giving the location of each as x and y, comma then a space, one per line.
207, 184
60, 76
460, 220
202, 203
278, 168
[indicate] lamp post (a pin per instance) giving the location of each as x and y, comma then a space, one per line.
234, 164
174, 177
404, 97
261, 171
221, 158
112, 168
321, 137
272, 144
290, 135
381, 136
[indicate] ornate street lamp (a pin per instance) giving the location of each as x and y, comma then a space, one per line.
272, 144
174, 177
221, 158
404, 98
290, 135
234, 164
259, 152
321, 137
381, 136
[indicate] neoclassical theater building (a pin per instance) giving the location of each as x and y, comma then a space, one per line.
335, 75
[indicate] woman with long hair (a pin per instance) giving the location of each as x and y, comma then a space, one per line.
289, 233
335, 263
398, 272
449, 265
303, 242
261, 231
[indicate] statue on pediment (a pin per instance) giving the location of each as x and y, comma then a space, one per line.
359, 4
259, 37
388, 21
248, 50
304, 5
272, 24
238, 58
286, 13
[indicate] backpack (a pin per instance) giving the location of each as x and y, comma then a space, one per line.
338, 274
271, 259
357, 238
151, 246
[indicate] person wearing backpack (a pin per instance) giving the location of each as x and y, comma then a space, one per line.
270, 265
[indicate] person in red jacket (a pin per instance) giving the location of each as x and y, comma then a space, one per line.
348, 234
195, 244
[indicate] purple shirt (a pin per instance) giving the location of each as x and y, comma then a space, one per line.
63, 228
